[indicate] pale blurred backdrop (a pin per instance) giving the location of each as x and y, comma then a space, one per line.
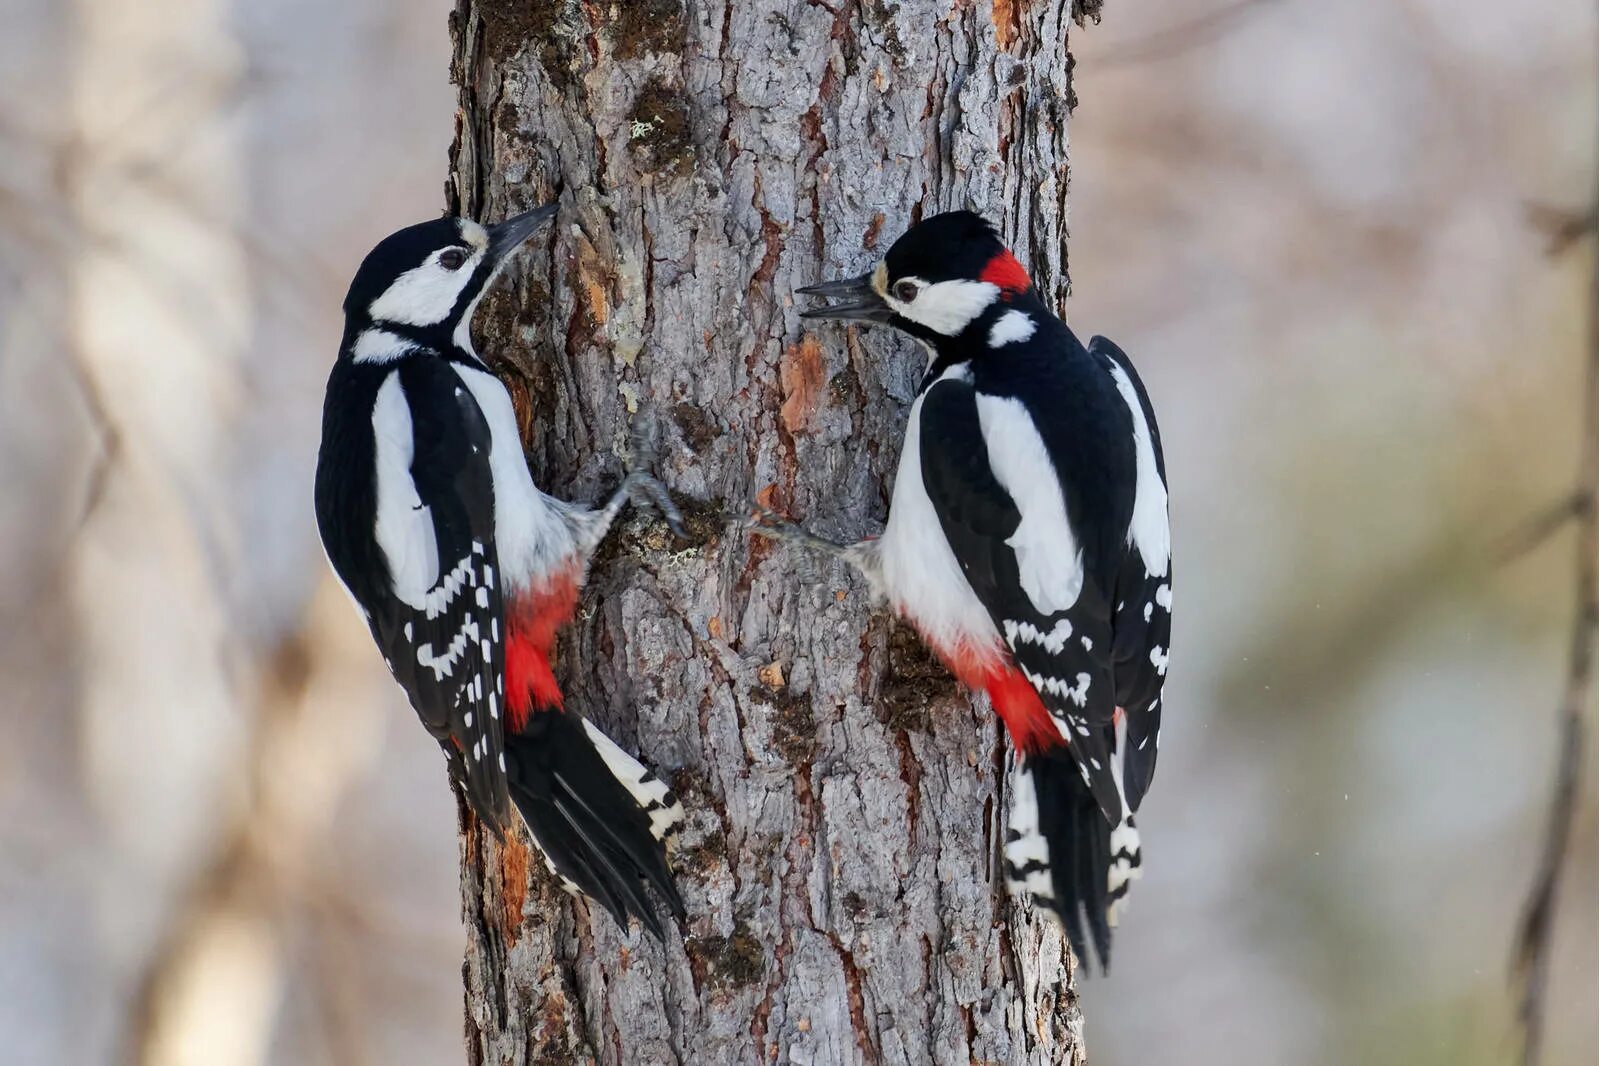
1322, 229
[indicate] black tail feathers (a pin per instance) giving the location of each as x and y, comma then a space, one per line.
1061, 850
599, 817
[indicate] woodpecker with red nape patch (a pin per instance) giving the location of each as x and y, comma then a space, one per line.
1028, 543
464, 570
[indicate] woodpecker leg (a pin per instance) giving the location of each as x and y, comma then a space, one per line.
639, 486
863, 555
765, 522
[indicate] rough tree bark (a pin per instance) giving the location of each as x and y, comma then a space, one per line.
844, 798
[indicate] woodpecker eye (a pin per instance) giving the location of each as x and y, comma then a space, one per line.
905, 291
452, 258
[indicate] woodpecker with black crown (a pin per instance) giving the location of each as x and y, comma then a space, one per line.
1028, 543
464, 569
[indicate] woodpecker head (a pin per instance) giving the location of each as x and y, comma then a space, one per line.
944, 276
420, 285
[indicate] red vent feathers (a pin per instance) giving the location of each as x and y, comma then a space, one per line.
531, 623
1030, 724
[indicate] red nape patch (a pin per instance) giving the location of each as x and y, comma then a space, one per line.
532, 619
1005, 272
1030, 724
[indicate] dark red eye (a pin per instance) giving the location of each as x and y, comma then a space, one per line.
905, 291
452, 258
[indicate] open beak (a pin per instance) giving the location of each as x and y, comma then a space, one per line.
860, 302
506, 237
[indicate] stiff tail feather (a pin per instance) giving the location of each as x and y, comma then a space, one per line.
1062, 852
599, 817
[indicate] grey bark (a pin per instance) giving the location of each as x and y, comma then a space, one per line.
844, 797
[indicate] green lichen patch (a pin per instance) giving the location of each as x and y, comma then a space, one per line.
658, 130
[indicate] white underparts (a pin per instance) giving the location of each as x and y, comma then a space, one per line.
1049, 560
533, 535
919, 573
1011, 327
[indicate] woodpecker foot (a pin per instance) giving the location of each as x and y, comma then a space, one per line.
645, 491
640, 485
765, 522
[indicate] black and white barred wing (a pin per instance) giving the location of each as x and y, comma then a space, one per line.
990, 481
1142, 624
441, 632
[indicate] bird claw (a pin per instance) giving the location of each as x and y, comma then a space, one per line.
640, 485
645, 491
765, 522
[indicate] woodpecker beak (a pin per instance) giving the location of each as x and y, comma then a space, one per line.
506, 237
861, 302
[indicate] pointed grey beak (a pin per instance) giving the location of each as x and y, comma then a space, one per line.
861, 303
506, 237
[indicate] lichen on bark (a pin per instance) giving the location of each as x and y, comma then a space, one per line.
839, 858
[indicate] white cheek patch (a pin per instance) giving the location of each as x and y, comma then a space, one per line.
422, 296
947, 307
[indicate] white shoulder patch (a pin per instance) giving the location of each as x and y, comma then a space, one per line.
403, 526
1049, 560
1011, 327
1149, 531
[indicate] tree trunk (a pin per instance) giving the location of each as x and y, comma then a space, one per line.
844, 797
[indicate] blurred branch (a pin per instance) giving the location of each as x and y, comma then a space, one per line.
1545, 524
1531, 951
1564, 228
210, 990
1194, 33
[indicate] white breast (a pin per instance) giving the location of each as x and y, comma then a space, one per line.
919, 572
532, 536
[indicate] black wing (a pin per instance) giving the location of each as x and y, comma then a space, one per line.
1065, 655
446, 648
1142, 625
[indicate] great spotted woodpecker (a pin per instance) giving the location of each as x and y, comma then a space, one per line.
463, 569
1027, 541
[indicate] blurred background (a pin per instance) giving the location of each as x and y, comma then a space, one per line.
1349, 246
